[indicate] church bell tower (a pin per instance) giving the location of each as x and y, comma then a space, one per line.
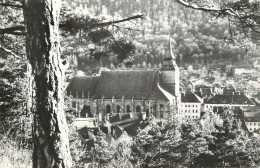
170, 72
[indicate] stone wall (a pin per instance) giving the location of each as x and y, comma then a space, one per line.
99, 107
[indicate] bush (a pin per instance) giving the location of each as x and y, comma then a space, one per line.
14, 153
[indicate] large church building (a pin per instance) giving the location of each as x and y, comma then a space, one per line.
150, 92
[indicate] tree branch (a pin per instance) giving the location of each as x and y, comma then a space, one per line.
11, 5
9, 52
79, 24
15, 30
225, 11
20, 30
244, 14
117, 21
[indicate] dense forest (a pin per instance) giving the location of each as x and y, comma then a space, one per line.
196, 36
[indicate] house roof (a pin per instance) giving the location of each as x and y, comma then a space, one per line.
205, 90
256, 102
229, 90
230, 99
132, 129
251, 114
190, 98
83, 85
130, 84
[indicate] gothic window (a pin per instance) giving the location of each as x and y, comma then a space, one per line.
128, 109
161, 114
86, 112
108, 109
147, 112
74, 104
138, 108
118, 109
161, 107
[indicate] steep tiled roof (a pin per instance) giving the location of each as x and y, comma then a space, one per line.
168, 87
130, 84
256, 102
190, 98
86, 84
230, 99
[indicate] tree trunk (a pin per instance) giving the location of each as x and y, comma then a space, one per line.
50, 132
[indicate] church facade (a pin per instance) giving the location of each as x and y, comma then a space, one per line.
149, 92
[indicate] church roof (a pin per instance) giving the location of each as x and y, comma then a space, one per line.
170, 88
230, 99
80, 84
130, 84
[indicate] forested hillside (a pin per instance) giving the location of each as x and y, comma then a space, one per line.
197, 37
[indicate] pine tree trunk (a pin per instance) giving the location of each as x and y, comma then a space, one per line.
50, 134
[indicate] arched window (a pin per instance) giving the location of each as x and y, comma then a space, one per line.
86, 112
147, 113
128, 109
74, 104
118, 109
161, 107
138, 108
108, 109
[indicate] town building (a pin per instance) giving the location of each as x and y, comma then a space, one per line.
252, 120
203, 91
191, 106
151, 92
231, 101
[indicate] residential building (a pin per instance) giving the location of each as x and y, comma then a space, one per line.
252, 120
191, 105
229, 101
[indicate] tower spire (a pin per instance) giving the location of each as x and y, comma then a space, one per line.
171, 52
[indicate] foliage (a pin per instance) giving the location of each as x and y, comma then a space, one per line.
106, 151
196, 36
14, 152
192, 145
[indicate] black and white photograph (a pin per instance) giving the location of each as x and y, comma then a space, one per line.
129, 83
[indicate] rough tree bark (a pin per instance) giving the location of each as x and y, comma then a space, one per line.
50, 134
